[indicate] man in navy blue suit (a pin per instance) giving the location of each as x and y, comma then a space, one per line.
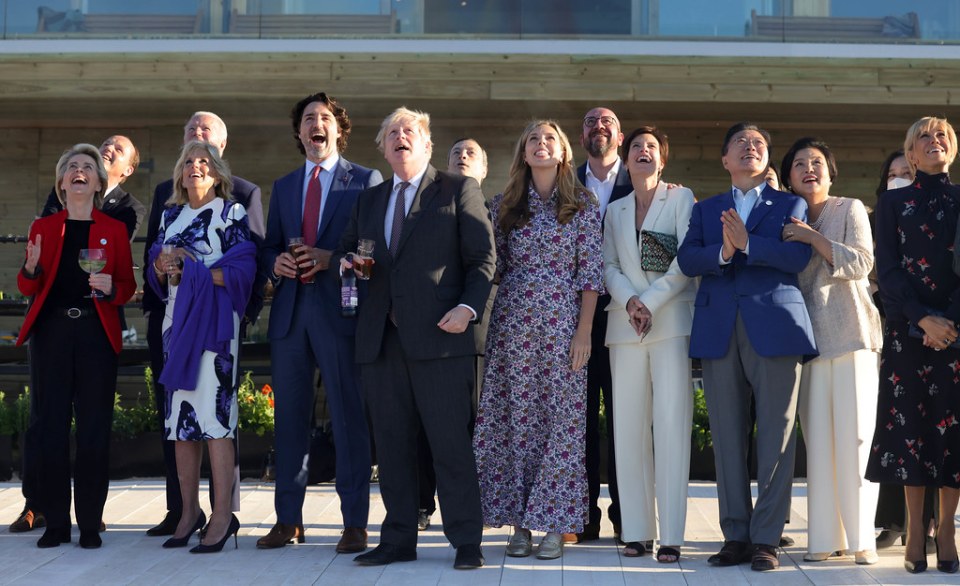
306, 329
208, 127
751, 331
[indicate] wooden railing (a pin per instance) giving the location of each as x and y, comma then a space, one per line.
828, 28
278, 25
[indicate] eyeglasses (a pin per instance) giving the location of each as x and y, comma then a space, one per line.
591, 121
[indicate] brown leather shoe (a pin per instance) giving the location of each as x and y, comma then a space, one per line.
27, 521
280, 535
353, 540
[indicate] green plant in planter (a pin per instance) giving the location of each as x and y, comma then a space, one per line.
138, 418
9, 420
256, 406
21, 411
701, 421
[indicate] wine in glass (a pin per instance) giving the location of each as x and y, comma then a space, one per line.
92, 261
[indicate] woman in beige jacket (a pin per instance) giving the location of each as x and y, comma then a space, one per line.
648, 332
838, 390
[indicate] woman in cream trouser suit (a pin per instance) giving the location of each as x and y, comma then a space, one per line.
648, 333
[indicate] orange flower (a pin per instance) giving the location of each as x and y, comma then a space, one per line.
267, 389
271, 403
250, 399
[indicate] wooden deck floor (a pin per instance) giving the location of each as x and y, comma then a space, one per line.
129, 557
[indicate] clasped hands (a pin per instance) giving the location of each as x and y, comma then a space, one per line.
310, 260
734, 233
640, 317
938, 332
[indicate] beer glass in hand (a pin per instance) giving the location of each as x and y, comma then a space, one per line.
365, 253
293, 246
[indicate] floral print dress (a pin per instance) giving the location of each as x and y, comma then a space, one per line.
917, 436
210, 411
530, 433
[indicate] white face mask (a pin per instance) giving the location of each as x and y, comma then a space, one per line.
898, 182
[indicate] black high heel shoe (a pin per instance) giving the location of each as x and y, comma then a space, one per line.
233, 529
889, 537
948, 566
917, 566
182, 541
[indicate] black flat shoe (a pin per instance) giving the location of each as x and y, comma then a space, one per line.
182, 541
54, 537
731, 554
166, 527
386, 553
90, 539
233, 529
469, 557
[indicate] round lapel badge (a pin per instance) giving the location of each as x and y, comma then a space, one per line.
103, 241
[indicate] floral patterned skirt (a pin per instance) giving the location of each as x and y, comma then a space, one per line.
917, 437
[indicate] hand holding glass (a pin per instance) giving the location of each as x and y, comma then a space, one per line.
92, 261
293, 244
365, 254
168, 256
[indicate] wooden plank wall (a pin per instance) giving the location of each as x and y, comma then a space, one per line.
47, 103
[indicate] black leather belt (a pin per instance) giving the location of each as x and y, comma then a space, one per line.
75, 312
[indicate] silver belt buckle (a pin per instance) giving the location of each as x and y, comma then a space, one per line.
74, 313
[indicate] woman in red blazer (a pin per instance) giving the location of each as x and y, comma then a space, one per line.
74, 341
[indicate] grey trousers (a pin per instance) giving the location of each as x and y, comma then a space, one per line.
727, 386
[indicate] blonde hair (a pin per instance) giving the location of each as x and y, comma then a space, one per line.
222, 188
929, 124
403, 114
92, 152
515, 208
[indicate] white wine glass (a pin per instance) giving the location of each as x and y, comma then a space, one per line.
92, 261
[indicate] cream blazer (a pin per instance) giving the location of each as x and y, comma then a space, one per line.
669, 296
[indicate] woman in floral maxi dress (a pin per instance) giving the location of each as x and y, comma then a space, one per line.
530, 430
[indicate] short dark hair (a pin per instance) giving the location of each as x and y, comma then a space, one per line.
807, 142
658, 134
339, 112
740, 127
885, 170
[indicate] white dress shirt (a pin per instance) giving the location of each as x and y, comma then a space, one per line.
603, 188
326, 180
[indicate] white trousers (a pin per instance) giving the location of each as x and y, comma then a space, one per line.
838, 408
652, 404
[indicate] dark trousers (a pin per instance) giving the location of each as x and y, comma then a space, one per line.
600, 381
155, 344
400, 395
73, 370
425, 473
307, 346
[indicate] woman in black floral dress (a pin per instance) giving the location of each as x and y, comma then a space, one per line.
917, 437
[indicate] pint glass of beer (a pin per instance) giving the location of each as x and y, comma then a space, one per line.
365, 252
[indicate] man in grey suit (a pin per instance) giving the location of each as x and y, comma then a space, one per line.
466, 158
433, 267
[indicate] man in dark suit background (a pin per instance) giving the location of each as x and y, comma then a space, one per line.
466, 158
433, 267
751, 331
606, 177
306, 329
120, 159
209, 127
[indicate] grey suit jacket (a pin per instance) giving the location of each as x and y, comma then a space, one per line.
446, 257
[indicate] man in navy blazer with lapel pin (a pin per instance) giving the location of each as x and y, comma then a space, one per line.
306, 329
750, 330
606, 177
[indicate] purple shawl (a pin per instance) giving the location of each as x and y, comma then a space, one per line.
203, 313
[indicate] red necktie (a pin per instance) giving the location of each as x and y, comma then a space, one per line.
311, 209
